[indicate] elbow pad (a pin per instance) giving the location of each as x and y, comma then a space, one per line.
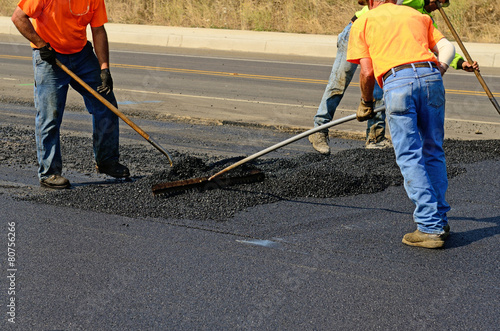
446, 51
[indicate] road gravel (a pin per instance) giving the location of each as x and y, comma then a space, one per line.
307, 175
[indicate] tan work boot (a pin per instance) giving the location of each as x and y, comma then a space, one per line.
426, 240
56, 182
319, 140
383, 143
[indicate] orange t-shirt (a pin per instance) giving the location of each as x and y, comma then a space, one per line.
392, 35
63, 23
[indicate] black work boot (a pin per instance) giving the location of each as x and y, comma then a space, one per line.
113, 168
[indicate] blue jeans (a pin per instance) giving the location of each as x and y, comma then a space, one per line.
415, 101
51, 89
339, 80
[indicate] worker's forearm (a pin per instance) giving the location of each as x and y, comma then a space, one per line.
366, 79
367, 84
23, 24
101, 46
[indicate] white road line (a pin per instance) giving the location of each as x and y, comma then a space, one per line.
217, 98
469, 121
272, 103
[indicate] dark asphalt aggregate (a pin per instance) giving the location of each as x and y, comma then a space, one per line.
310, 175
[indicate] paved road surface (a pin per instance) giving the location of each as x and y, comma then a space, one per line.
246, 88
297, 264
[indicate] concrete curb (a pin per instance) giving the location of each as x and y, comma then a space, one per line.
225, 40
487, 55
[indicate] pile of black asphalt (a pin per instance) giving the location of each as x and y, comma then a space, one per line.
344, 173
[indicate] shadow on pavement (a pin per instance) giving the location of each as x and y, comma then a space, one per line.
460, 239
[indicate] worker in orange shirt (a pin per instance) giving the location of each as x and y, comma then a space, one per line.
391, 43
58, 31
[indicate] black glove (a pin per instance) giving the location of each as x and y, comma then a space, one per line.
48, 54
107, 82
365, 110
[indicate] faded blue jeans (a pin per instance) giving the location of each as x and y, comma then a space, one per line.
51, 89
415, 101
339, 80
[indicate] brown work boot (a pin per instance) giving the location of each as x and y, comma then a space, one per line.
56, 182
113, 168
426, 240
319, 140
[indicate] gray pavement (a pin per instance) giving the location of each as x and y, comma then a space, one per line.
340, 267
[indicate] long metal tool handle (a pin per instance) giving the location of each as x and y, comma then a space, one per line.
291, 140
115, 110
468, 57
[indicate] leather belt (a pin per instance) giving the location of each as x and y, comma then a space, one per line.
409, 66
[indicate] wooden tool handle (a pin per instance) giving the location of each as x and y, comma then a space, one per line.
115, 110
103, 100
468, 57
291, 140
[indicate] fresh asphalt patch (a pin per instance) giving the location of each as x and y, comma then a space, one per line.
308, 175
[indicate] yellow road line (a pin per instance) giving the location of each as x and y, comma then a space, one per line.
15, 57
222, 73
247, 76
